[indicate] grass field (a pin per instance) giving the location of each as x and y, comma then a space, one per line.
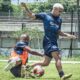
50, 72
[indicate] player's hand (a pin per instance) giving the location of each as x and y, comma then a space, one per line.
23, 5
72, 37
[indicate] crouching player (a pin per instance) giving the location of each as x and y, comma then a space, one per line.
19, 57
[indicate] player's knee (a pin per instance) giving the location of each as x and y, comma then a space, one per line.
58, 60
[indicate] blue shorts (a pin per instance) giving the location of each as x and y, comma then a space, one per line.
16, 71
48, 48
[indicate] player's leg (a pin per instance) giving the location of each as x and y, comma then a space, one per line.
16, 71
12, 63
45, 62
56, 56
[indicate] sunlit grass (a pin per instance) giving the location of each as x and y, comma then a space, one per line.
50, 72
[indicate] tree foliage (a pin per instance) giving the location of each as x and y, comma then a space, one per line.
69, 5
16, 10
40, 7
33, 32
5, 6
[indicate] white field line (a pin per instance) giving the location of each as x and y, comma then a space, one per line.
66, 62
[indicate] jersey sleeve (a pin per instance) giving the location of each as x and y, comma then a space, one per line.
60, 24
40, 16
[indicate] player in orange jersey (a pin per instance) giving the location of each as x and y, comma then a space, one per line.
19, 56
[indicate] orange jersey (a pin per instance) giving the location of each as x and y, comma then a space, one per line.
23, 56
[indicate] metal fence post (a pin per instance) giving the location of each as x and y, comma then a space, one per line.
78, 12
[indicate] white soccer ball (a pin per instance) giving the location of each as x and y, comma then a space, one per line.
38, 70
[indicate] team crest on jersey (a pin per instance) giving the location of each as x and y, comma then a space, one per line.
53, 24
54, 47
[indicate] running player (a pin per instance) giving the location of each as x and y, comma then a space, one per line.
52, 29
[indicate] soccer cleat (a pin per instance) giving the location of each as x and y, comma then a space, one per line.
29, 68
9, 66
26, 72
65, 77
32, 75
23, 72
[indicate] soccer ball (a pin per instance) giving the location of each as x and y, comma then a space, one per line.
38, 71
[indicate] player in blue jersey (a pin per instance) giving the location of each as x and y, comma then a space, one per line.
52, 29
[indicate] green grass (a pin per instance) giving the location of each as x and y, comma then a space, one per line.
50, 72
74, 58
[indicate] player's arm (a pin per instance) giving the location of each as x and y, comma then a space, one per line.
34, 52
28, 12
40, 16
67, 35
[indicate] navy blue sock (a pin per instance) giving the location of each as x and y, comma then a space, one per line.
61, 73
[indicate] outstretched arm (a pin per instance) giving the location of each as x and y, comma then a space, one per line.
67, 35
33, 52
36, 53
28, 12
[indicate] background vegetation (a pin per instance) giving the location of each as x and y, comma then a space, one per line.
6, 6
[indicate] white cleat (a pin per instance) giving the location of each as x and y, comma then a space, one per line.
9, 66
65, 77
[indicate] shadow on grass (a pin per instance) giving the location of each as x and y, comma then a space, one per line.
48, 78
37, 78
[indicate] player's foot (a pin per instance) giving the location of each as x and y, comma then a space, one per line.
32, 75
29, 71
65, 77
9, 66
29, 68
26, 72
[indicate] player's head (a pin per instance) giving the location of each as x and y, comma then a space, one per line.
24, 37
57, 9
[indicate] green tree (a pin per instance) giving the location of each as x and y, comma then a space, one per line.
69, 5
6, 5
34, 33
16, 10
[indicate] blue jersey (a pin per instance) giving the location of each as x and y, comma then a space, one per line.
52, 25
20, 46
